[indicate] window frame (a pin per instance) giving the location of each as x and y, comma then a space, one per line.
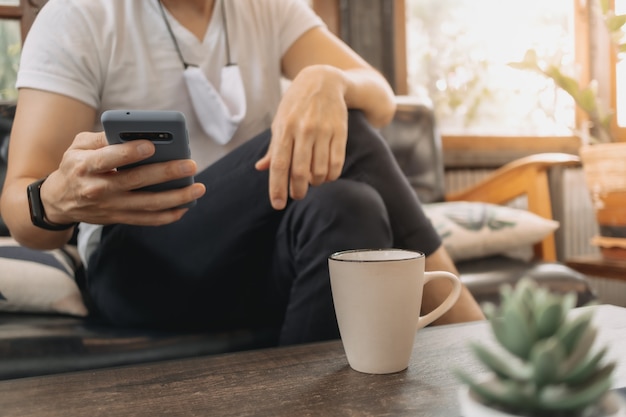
25, 12
619, 132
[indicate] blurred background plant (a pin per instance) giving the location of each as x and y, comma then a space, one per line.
10, 48
598, 127
458, 53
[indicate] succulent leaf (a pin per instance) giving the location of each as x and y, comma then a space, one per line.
566, 398
572, 330
568, 301
580, 352
584, 370
506, 293
545, 357
549, 318
513, 330
504, 366
490, 310
503, 392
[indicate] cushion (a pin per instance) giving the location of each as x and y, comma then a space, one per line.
39, 281
472, 230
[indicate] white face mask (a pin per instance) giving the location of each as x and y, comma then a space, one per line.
219, 111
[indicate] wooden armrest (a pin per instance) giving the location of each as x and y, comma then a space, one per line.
525, 176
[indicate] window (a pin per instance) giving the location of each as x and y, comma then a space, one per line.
16, 16
475, 131
619, 99
458, 54
10, 48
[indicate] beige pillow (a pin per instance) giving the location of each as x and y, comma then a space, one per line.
39, 281
474, 230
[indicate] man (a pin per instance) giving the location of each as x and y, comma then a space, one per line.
272, 203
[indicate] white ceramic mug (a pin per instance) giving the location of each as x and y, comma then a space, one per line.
378, 296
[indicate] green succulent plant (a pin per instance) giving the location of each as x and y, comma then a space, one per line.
544, 362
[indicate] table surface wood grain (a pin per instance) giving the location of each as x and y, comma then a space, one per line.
304, 380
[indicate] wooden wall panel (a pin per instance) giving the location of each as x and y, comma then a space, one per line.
368, 27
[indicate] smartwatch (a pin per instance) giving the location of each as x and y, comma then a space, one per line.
37, 212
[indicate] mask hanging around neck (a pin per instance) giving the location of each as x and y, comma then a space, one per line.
219, 111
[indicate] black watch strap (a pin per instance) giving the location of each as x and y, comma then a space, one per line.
37, 212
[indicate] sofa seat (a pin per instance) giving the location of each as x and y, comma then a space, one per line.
484, 277
42, 344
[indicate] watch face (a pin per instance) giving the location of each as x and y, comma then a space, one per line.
37, 212
34, 202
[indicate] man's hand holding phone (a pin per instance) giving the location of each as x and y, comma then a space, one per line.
136, 181
167, 130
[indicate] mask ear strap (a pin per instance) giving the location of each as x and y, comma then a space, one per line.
169, 30
229, 60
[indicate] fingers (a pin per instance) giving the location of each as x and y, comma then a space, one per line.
89, 141
263, 163
302, 157
319, 164
100, 193
110, 157
280, 166
301, 167
118, 188
337, 152
154, 173
98, 202
144, 208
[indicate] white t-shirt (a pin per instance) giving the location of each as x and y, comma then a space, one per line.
118, 54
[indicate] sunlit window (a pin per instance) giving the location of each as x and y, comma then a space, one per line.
458, 53
10, 47
620, 8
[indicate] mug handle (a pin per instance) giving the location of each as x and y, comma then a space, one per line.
447, 303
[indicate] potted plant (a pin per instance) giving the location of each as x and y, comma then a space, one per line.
602, 156
544, 362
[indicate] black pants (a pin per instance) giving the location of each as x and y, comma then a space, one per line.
233, 261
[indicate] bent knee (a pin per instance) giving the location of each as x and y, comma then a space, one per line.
349, 196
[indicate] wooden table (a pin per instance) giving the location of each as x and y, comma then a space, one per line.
305, 380
598, 266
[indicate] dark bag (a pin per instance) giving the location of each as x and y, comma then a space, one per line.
7, 112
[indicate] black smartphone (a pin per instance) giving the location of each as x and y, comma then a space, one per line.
166, 129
